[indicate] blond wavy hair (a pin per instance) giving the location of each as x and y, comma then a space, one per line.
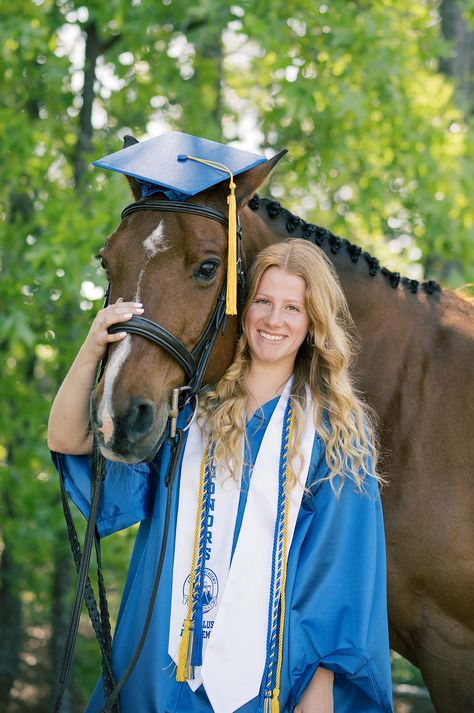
346, 425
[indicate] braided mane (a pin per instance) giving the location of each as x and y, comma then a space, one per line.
319, 235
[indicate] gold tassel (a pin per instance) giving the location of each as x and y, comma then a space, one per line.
275, 707
231, 295
184, 651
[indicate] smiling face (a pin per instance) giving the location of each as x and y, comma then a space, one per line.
276, 322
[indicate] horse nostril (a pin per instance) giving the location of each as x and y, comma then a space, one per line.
140, 419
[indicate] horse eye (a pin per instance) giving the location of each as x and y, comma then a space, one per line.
102, 263
207, 270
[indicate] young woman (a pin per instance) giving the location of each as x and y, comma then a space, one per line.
273, 593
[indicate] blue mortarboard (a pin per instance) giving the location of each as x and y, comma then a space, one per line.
157, 161
181, 165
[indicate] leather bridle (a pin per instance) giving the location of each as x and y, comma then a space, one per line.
194, 363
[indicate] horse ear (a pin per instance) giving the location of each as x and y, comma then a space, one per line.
134, 185
249, 181
129, 141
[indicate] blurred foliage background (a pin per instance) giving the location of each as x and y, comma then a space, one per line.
374, 101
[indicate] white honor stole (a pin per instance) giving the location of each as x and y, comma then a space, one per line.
235, 615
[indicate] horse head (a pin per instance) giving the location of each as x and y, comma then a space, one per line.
175, 264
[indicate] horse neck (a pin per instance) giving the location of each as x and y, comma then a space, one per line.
395, 327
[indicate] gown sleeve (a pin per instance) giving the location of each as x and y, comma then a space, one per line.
126, 491
338, 598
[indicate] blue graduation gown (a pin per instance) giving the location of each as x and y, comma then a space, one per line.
336, 613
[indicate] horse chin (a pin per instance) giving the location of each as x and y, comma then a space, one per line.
123, 452
145, 456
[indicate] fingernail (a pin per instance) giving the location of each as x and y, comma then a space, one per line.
138, 304
139, 310
127, 314
120, 299
122, 334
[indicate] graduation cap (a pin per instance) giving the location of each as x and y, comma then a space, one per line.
180, 166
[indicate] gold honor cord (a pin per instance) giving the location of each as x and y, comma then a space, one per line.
184, 670
272, 705
231, 295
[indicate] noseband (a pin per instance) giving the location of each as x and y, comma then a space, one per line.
194, 361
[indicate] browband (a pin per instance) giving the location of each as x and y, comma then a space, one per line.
199, 209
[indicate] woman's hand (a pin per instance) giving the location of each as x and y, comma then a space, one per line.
98, 338
318, 696
68, 427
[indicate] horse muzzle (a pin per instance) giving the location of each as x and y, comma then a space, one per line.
133, 435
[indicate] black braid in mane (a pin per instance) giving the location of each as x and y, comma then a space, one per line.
318, 235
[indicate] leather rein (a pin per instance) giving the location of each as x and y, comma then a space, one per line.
194, 363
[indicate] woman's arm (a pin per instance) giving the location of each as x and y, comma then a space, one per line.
318, 696
68, 426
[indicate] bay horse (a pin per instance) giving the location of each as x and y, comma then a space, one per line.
415, 366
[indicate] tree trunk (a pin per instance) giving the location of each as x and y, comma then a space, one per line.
60, 609
460, 63
206, 36
84, 141
11, 633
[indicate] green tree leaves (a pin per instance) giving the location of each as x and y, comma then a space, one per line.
379, 151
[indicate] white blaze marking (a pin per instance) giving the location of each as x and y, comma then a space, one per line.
155, 243
136, 296
113, 369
